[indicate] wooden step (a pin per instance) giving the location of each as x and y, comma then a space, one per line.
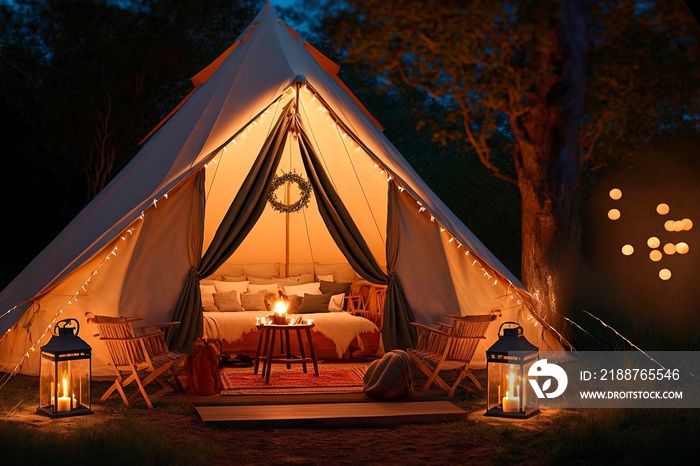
332, 414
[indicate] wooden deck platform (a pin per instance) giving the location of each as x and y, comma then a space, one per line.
331, 414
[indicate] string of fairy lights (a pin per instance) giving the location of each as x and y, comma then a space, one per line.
112, 253
511, 291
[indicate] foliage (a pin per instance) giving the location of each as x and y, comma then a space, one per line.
483, 63
509, 80
84, 82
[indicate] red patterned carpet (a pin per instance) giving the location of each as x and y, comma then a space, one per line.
293, 381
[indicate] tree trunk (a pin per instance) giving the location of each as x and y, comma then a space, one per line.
551, 241
548, 163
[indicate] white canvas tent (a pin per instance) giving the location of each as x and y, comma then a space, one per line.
137, 247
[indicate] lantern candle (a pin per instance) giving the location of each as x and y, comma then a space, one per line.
511, 404
64, 403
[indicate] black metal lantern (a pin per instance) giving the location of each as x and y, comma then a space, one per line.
508, 361
64, 373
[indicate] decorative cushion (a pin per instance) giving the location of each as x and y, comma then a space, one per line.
334, 287
261, 270
207, 281
299, 269
314, 303
297, 280
253, 301
301, 290
263, 281
207, 292
302, 279
227, 301
341, 272
294, 303
230, 278
229, 269
389, 377
272, 288
270, 299
223, 287
255, 270
337, 302
325, 278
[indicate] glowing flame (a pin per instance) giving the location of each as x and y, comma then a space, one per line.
64, 384
280, 307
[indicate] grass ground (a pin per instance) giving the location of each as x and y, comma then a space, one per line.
172, 434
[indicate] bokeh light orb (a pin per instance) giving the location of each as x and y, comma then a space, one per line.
613, 214
682, 248
662, 209
655, 255
670, 248
687, 224
615, 194
664, 274
678, 225
653, 242
627, 250
668, 226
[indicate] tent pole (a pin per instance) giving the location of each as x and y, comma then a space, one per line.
286, 262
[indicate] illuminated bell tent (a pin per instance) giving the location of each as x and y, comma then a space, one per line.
195, 202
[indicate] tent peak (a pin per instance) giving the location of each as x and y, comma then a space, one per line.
300, 79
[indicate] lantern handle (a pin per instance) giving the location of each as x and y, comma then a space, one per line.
517, 326
69, 324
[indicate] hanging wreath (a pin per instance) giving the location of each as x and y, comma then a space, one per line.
304, 188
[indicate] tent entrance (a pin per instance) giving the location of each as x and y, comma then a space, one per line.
251, 202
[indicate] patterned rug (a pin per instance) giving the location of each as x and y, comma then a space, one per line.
294, 381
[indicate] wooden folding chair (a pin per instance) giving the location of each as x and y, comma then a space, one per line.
449, 348
139, 354
373, 309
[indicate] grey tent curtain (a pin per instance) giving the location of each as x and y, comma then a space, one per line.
244, 212
337, 218
190, 300
397, 332
249, 203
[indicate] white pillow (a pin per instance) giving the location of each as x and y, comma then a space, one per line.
272, 287
325, 278
223, 287
336, 302
300, 290
342, 272
207, 292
